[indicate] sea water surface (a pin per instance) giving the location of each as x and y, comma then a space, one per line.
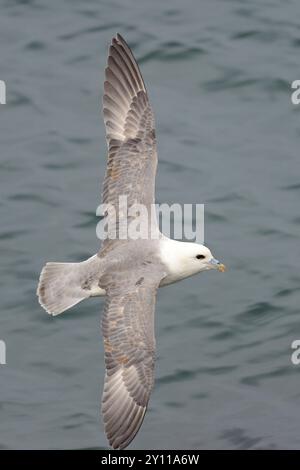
219, 76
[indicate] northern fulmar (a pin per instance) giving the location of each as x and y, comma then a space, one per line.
127, 272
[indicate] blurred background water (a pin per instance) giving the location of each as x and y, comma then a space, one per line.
219, 75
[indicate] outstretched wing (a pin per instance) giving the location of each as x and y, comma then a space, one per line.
129, 344
130, 132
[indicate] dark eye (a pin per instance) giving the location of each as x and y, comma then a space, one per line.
200, 257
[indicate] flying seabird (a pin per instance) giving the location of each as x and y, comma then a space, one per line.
127, 272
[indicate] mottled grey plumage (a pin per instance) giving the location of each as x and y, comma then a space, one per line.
62, 285
130, 133
128, 322
129, 344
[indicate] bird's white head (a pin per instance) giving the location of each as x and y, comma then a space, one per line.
185, 259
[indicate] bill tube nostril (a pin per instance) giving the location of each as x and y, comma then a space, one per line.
222, 268
219, 266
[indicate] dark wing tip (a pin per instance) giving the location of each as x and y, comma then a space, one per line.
123, 82
120, 38
123, 414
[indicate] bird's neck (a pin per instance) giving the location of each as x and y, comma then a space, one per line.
173, 255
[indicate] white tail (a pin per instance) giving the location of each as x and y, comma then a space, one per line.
63, 285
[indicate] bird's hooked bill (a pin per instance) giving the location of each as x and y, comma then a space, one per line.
219, 266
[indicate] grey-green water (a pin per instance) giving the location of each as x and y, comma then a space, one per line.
219, 75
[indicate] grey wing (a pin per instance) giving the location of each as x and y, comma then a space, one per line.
129, 344
130, 131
